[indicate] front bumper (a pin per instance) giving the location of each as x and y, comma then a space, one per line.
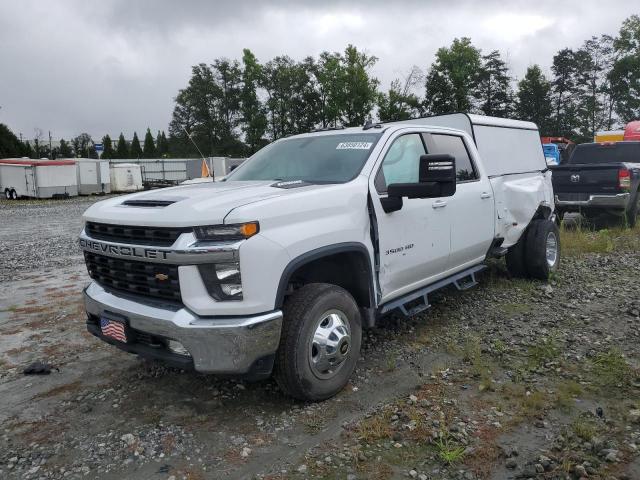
220, 345
617, 201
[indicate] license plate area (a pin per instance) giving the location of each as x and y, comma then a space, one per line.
114, 327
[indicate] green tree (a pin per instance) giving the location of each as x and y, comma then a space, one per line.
565, 92
330, 77
83, 146
400, 103
452, 78
594, 105
122, 149
27, 150
65, 150
361, 89
254, 119
107, 148
135, 150
162, 145
625, 74
534, 99
10, 145
149, 149
493, 88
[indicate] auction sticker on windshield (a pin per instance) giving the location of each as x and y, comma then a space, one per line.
354, 146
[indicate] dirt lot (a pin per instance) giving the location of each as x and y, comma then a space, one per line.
512, 379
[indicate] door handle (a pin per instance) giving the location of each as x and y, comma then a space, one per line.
484, 195
439, 204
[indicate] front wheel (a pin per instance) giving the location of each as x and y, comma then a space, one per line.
7, 194
542, 249
320, 342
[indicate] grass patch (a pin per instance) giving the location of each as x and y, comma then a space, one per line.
377, 427
449, 452
511, 309
546, 350
567, 393
580, 240
528, 403
584, 429
611, 369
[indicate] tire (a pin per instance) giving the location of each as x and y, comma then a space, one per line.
14, 195
296, 369
542, 253
632, 211
515, 258
7, 194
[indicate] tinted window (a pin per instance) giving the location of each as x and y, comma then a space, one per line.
606, 153
401, 164
454, 145
320, 158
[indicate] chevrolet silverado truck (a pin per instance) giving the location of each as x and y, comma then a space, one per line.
600, 178
279, 268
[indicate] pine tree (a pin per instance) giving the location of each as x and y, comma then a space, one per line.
493, 89
163, 145
122, 150
149, 147
136, 151
534, 100
107, 145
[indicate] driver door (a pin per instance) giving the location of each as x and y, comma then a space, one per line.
415, 240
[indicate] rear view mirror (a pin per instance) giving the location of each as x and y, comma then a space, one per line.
437, 178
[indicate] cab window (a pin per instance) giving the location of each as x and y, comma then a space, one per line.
453, 145
401, 162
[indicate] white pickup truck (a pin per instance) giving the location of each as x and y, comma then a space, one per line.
280, 267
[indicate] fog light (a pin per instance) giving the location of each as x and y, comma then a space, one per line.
231, 289
177, 347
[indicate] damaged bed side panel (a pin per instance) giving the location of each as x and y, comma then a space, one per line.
518, 197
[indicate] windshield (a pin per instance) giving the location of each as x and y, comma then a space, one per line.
314, 159
606, 153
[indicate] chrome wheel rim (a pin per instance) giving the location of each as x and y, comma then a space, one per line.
330, 344
552, 249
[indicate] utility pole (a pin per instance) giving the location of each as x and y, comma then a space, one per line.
50, 147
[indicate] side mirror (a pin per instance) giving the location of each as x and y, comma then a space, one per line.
437, 178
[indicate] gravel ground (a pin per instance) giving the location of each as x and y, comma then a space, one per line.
38, 235
512, 379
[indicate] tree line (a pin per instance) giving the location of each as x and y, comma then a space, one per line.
84, 146
234, 107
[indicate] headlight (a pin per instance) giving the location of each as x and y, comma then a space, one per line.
239, 231
222, 280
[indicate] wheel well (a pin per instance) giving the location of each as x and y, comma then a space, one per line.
542, 212
349, 269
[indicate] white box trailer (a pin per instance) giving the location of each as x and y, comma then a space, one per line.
93, 176
125, 177
38, 178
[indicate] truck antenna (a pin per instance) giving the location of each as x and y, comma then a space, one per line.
195, 145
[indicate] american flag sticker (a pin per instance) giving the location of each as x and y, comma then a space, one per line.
113, 329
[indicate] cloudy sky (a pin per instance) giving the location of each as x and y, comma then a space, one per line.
115, 65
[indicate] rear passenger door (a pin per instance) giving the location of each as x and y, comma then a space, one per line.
471, 210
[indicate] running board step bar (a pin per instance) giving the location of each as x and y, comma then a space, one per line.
418, 301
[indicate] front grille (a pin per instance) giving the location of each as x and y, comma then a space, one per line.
155, 236
138, 278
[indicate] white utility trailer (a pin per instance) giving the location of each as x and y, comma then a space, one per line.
38, 178
126, 177
164, 172
93, 176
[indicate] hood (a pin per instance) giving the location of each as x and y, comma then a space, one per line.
189, 205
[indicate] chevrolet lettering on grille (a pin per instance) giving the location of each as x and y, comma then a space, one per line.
122, 250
